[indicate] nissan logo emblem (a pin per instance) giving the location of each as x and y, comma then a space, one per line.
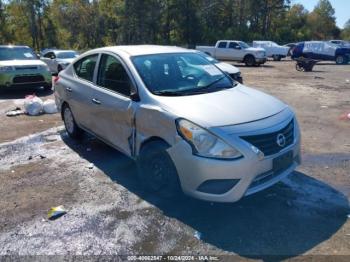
281, 140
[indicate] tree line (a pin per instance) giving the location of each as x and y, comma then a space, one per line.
85, 24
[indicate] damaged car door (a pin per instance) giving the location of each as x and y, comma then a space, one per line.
113, 110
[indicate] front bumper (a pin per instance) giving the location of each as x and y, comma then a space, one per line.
25, 79
251, 173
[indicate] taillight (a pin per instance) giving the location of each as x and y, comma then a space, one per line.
55, 79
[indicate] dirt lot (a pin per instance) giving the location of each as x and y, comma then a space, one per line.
109, 213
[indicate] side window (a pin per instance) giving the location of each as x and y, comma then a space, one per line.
84, 68
222, 45
48, 55
113, 76
233, 45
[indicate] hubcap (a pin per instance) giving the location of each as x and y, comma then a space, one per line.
158, 174
340, 60
68, 120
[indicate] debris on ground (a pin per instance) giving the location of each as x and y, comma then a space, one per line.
345, 116
56, 212
90, 166
347, 81
198, 235
49, 106
15, 112
33, 105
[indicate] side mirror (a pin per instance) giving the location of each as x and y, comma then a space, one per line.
134, 96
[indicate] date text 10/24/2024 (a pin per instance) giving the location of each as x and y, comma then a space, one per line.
172, 258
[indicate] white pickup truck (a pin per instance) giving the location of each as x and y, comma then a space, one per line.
277, 52
235, 51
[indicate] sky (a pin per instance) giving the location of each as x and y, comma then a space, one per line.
342, 9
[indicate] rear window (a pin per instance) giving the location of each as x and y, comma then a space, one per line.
222, 45
85, 67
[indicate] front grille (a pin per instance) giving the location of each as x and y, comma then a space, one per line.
267, 143
26, 67
28, 79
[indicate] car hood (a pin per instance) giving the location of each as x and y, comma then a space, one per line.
230, 69
232, 106
65, 60
21, 62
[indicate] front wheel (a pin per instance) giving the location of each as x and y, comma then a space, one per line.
157, 171
340, 60
249, 60
71, 126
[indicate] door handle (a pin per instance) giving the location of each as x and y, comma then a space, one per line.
96, 101
69, 89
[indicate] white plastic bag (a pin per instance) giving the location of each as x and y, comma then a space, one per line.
50, 107
33, 105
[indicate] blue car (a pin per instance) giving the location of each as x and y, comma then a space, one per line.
320, 50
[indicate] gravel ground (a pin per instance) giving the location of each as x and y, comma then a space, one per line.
110, 214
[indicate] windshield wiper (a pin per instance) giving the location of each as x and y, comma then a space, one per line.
207, 87
168, 93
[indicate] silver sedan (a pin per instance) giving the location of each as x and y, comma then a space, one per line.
188, 125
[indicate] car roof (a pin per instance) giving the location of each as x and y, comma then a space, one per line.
61, 51
18, 46
56, 51
138, 50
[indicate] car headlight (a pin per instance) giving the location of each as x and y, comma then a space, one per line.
204, 143
6, 68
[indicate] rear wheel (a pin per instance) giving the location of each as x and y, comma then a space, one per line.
249, 60
276, 58
157, 171
48, 87
340, 60
71, 126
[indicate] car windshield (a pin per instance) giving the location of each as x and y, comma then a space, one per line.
243, 45
67, 55
180, 74
211, 59
16, 53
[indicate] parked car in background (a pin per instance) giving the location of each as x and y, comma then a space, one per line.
320, 50
231, 70
340, 43
291, 47
235, 51
20, 67
201, 132
57, 60
277, 52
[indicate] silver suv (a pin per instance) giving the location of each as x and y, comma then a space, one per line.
188, 125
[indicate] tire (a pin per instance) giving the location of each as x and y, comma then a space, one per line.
48, 87
277, 58
341, 60
73, 130
249, 60
156, 170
